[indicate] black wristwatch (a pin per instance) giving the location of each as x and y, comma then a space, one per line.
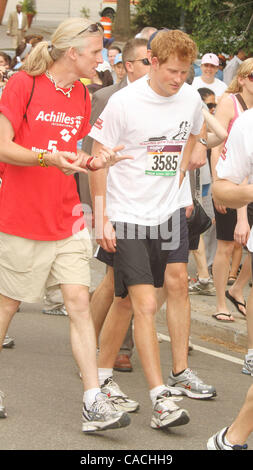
203, 141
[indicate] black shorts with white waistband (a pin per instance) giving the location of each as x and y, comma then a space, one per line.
143, 252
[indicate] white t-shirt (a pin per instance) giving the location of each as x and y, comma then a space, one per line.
154, 130
231, 69
236, 160
218, 87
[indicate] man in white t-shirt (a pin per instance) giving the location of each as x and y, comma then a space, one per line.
234, 165
207, 79
233, 65
140, 211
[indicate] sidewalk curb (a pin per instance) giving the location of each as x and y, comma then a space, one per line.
205, 325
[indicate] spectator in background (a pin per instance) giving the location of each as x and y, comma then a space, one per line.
233, 65
146, 32
209, 68
22, 52
208, 96
102, 79
5, 63
112, 52
17, 26
222, 65
119, 69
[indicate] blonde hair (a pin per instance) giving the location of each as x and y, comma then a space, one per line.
243, 71
173, 42
70, 33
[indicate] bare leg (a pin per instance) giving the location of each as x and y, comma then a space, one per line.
250, 319
178, 313
241, 428
8, 308
220, 275
200, 259
114, 331
144, 306
101, 301
236, 290
236, 260
82, 334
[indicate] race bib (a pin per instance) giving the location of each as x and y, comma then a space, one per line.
163, 159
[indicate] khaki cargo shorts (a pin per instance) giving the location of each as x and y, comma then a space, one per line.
28, 267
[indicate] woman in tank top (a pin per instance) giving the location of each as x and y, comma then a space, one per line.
231, 225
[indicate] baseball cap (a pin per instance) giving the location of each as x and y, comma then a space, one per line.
118, 59
210, 58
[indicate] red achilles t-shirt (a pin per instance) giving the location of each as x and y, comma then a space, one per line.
35, 202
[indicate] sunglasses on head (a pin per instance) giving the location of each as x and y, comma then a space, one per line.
93, 28
211, 105
250, 77
144, 61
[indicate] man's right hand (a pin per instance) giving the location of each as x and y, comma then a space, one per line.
108, 240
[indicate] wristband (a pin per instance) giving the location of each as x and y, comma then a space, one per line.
88, 167
182, 171
41, 159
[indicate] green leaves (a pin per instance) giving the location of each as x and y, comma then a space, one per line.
216, 25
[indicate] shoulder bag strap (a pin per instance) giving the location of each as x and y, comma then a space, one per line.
241, 101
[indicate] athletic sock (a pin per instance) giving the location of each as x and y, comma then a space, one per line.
155, 391
104, 374
89, 396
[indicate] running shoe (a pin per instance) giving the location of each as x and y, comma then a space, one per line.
8, 342
217, 442
119, 399
3, 413
103, 415
188, 383
202, 288
248, 365
166, 413
56, 311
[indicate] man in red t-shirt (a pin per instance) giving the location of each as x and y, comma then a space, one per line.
44, 111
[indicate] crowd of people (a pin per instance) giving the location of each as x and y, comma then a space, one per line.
104, 127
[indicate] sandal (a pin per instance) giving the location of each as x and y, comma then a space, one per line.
235, 302
225, 315
231, 280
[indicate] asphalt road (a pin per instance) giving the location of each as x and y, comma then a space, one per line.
44, 394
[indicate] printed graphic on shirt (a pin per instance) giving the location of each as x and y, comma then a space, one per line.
163, 157
99, 123
224, 153
70, 124
183, 132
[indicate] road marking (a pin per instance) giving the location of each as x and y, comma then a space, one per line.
211, 352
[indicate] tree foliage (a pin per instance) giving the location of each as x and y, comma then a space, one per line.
216, 25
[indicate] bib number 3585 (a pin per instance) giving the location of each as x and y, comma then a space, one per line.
162, 163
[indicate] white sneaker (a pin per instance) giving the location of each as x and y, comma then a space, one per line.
102, 415
56, 311
166, 413
3, 413
119, 399
248, 365
188, 383
217, 442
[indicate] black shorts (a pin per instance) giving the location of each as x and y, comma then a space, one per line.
143, 252
225, 223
